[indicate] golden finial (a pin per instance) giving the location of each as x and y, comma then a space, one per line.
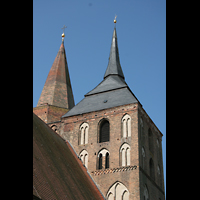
63, 34
115, 19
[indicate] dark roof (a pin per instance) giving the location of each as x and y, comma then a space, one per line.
57, 171
111, 92
102, 101
110, 83
114, 66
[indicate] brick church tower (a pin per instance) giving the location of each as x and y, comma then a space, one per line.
115, 138
109, 129
57, 95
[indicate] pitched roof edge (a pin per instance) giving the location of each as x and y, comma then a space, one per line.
95, 190
98, 110
134, 95
94, 185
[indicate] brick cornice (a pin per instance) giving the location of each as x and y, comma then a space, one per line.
113, 170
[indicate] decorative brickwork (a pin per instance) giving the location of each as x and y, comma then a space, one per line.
49, 113
114, 170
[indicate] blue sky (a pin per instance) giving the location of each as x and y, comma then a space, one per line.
141, 32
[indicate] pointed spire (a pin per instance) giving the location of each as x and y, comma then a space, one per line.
114, 67
57, 90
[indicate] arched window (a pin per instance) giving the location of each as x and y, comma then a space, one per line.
141, 128
100, 161
158, 169
159, 176
125, 195
126, 126
125, 154
104, 133
146, 193
107, 160
143, 157
118, 191
84, 133
158, 143
54, 127
103, 159
84, 157
110, 196
151, 166
150, 138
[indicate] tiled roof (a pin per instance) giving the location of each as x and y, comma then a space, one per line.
57, 171
57, 89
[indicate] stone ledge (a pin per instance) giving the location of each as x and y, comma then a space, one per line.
113, 170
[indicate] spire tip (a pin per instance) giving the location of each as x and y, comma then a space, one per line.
63, 34
115, 21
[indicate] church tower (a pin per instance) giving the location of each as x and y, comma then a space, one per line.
57, 95
116, 140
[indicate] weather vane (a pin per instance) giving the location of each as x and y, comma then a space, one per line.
63, 35
115, 21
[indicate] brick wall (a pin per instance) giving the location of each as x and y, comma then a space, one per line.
49, 113
70, 130
135, 176
156, 186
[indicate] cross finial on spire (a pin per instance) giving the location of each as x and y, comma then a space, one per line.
63, 35
64, 28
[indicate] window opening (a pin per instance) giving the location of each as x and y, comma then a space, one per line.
104, 135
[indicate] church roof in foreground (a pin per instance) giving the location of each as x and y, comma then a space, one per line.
57, 171
111, 92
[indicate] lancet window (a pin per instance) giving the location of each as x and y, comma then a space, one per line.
146, 193
103, 159
84, 128
143, 157
126, 126
84, 157
125, 154
118, 191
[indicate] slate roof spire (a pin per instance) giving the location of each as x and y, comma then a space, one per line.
113, 91
57, 90
114, 67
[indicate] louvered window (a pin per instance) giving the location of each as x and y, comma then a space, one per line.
104, 135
